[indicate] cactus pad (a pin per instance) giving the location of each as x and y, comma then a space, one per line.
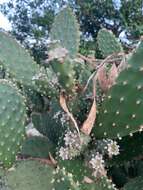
51, 123
76, 167
135, 184
30, 175
39, 147
121, 111
65, 73
101, 184
12, 119
66, 30
64, 180
16, 60
107, 43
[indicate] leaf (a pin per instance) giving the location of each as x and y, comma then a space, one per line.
113, 74
65, 108
89, 122
102, 78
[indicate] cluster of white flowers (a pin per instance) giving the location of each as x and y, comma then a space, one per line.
71, 139
107, 146
62, 116
64, 153
112, 148
98, 165
74, 144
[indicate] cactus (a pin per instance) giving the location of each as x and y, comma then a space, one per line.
49, 123
64, 97
134, 184
120, 114
129, 151
65, 73
66, 30
64, 180
3, 182
12, 120
76, 167
16, 61
102, 184
39, 147
47, 82
107, 43
29, 175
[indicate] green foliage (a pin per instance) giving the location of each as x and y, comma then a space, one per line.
64, 180
39, 147
47, 82
65, 119
134, 184
49, 123
16, 60
76, 167
66, 30
65, 73
29, 175
107, 43
12, 120
101, 184
120, 113
131, 146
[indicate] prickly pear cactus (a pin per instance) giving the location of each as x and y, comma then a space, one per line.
107, 43
101, 184
37, 147
120, 114
12, 120
134, 184
64, 101
16, 60
30, 175
66, 30
64, 180
76, 167
65, 74
51, 123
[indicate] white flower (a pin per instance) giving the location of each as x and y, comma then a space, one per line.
98, 166
62, 116
64, 153
71, 138
57, 114
112, 148
97, 161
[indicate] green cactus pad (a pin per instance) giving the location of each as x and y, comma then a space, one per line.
47, 82
65, 73
66, 30
16, 60
76, 167
39, 147
107, 43
34, 100
50, 123
100, 184
3, 182
30, 175
12, 120
64, 180
131, 147
134, 184
121, 111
